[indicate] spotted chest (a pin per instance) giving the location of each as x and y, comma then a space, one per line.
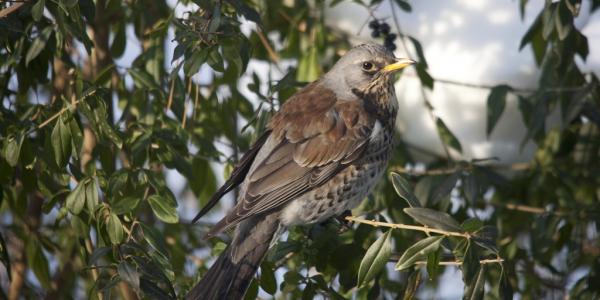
348, 188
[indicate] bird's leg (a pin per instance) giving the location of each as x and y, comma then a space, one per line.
345, 224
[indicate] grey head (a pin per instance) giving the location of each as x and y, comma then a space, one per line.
362, 68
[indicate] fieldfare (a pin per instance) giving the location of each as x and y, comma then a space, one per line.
321, 155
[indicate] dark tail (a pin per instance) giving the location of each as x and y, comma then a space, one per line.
230, 276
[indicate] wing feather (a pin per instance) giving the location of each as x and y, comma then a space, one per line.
314, 137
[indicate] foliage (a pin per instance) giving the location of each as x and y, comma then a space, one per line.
88, 142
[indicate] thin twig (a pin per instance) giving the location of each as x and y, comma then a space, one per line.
263, 39
56, 115
185, 103
529, 209
408, 227
170, 101
458, 263
7, 11
446, 171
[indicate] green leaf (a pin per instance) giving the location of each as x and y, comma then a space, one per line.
38, 44
69, 3
447, 136
155, 239
433, 263
505, 289
252, 291
76, 199
91, 195
418, 48
114, 228
12, 148
419, 251
444, 189
61, 142
215, 60
163, 209
308, 66
38, 262
375, 259
248, 12
471, 225
119, 43
142, 79
404, 190
496, 102
267, 279
563, 20
424, 76
105, 75
98, 253
475, 290
37, 10
405, 6
129, 273
471, 188
548, 16
434, 219
125, 205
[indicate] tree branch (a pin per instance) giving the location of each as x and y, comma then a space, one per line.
408, 227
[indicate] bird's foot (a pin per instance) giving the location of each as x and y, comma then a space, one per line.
344, 224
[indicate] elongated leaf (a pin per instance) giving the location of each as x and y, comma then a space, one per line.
404, 190
475, 290
433, 263
142, 79
129, 273
496, 102
38, 45
12, 149
445, 188
61, 142
76, 199
375, 259
114, 228
419, 251
424, 76
447, 136
125, 205
308, 66
163, 209
91, 195
418, 48
38, 262
267, 278
37, 10
154, 239
97, 254
434, 219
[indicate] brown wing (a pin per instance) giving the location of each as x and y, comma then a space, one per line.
236, 177
314, 136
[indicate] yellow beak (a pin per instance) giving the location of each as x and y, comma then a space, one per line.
400, 63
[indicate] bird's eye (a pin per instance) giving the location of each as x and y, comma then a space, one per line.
367, 66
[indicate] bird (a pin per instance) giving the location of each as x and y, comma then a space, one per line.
320, 155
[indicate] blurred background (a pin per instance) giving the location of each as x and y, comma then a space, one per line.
119, 119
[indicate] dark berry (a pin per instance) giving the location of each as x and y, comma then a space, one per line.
390, 37
375, 33
384, 28
374, 24
391, 47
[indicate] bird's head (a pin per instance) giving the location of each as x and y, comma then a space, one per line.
364, 68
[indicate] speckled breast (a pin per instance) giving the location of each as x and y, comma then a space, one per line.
347, 189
